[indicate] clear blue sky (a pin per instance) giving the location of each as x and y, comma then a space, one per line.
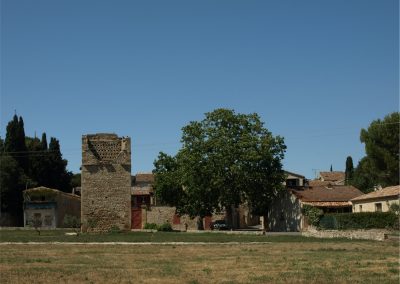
315, 71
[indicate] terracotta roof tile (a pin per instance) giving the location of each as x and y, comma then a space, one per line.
334, 193
384, 192
145, 177
332, 176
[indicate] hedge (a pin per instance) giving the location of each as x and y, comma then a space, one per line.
363, 220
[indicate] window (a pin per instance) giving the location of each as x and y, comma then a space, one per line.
378, 207
360, 207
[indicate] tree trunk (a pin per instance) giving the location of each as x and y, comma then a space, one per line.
264, 222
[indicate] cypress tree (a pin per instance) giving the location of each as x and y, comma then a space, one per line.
44, 141
10, 143
59, 177
349, 170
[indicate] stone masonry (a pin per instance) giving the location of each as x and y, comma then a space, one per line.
106, 182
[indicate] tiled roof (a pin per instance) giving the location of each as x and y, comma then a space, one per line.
141, 190
336, 193
332, 176
145, 177
317, 182
391, 191
329, 204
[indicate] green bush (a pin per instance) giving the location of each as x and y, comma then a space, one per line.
114, 230
363, 220
71, 221
313, 214
328, 222
150, 226
166, 227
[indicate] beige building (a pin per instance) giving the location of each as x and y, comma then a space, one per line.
49, 207
377, 201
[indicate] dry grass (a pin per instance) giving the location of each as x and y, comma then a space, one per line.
356, 262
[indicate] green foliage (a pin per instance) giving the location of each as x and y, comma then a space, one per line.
395, 208
72, 221
76, 180
362, 220
226, 159
115, 230
313, 214
166, 227
349, 170
381, 164
12, 182
328, 222
150, 226
27, 162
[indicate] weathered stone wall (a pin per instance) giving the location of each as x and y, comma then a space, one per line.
165, 214
67, 204
377, 235
106, 182
284, 214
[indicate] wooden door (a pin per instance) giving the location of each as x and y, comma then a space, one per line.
207, 223
136, 218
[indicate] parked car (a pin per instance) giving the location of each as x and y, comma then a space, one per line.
220, 225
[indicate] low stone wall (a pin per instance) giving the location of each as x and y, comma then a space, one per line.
377, 235
165, 214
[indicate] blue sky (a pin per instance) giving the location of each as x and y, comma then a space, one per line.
315, 71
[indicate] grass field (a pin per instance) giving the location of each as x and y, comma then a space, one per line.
220, 237
284, 260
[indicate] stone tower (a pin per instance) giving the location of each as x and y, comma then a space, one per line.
106, 182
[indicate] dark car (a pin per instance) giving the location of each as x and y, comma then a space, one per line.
220, 225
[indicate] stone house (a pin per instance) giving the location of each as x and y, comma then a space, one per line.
285, 213
145, 208
49, 206
377, 201
326, 178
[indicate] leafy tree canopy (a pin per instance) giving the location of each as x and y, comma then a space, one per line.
381, 163
226, 159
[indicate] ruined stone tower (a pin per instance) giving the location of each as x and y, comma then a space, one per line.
106, 182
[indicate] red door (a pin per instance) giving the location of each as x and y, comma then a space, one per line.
136, 218
207, 223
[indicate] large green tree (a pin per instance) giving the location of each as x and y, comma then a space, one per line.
225, 160
27, 162
381, 163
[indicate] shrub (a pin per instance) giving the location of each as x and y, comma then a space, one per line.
72, 221
313, 214
114, 230
362, 220
150, 226
328, 222
166, 227
395, 208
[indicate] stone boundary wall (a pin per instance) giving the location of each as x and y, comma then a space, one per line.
376, 235
165, 214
